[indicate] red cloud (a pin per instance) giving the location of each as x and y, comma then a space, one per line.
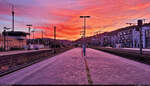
110, 13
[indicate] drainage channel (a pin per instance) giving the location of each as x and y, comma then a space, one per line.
90, 81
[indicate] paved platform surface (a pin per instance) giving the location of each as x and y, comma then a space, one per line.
66, 68
69, 68
111, 69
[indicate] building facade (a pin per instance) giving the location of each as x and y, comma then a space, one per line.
147, 38
127, 37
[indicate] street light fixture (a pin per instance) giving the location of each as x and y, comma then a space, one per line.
84, 16
5, 28
84, 33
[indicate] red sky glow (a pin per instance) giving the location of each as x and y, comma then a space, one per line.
106, 15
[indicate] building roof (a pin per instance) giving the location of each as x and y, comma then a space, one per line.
15, 33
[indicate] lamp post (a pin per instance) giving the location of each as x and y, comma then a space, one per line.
140, 23
4, 33
84, 34
139, 28
54, 39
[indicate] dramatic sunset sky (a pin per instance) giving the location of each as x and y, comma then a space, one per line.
106, 15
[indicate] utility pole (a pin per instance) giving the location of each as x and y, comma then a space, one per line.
140, 23
84, 34
42, 36
4, 35
13, 18
33, 36
144, 20
29, 28
96, 37
54, 39
100, 32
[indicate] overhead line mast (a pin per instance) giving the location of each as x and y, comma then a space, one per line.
13, 18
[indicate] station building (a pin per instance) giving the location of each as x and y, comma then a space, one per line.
13, 39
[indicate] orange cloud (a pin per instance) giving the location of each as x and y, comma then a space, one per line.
106, 15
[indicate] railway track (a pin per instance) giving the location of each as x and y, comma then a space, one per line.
130, 54
11, 63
